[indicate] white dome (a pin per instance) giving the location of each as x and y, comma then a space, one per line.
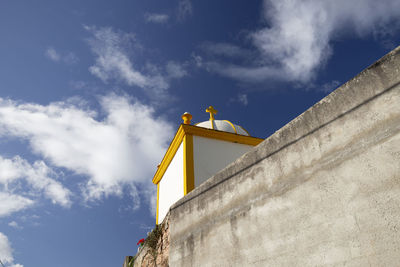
223, 125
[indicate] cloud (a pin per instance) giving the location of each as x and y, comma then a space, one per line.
112, 60
197, 60
225, 49
185, 9
329, 86
15, 225
37, 176
10, 203
298, 37
78, 84
22, 184
6, 251
241, 99
68, 58
114, 52
52, 54
175, 70
156, 18
118, 147
246, 73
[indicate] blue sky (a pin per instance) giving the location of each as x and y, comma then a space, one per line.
91, 94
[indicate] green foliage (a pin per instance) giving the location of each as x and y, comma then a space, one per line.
152, 239
150, 242
132, 261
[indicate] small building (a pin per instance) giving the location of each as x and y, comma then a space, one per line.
196, 153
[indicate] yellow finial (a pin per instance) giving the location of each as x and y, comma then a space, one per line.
212, 112
186, 117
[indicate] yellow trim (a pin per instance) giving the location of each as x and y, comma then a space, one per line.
233, 126
212, 124
244, 130
185, 129
169, 155
220, 135
158, 199
188, 164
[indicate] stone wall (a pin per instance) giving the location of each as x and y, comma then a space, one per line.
156, 256
322, 191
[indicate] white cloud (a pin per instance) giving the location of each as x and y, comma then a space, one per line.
78, 84
225, 49
15, 225
37, 176
10, 203
114, 51
112, 58
185, 9
246, 73
197, 60
329, 86
6, 251
241, 99
69, 57
156, 18
175, 70
298, 39
120, 149
52, 54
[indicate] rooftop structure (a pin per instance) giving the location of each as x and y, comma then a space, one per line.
196, 153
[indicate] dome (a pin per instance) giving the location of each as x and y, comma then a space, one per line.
219, 125
223, 125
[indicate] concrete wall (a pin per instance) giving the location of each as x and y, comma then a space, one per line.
211, 156
322, 191
157, 256
171, 185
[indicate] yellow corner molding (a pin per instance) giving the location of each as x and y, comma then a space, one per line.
188, 164
220, 135
169, 155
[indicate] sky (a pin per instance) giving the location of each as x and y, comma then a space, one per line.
91, 94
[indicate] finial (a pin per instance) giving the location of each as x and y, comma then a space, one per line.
186, 117
212, 112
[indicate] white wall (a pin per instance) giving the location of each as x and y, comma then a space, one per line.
171, 185
211, 156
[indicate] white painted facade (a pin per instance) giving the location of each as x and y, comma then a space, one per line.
171, 185
211, 156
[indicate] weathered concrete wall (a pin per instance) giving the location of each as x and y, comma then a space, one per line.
156, 256
322, 191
